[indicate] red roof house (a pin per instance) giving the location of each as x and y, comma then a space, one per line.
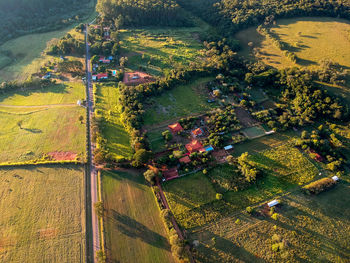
194, 146
175, 128
197, 132
170, 174
185, 159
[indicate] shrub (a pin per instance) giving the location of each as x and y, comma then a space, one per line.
218, 196
274, 216
319, 186
249, 209
238, 221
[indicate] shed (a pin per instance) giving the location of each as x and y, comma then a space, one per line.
273, 203
228, 147
335, 178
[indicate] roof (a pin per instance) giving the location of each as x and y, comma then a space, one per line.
194, 146
197, 132
185, 159
228, 147
176, 127
273, 203
171, 173
102, 75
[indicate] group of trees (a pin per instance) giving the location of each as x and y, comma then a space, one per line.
68, 45
18, 17
143, 13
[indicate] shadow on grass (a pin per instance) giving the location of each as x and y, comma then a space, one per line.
130, 227
55, 88
33, 130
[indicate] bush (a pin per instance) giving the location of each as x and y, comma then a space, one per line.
249, 210
219, 196
275, 216
319, 186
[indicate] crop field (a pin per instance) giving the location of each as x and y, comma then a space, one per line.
33, 132
308, 229
118, 139
311, 39
134, 230
157, 51
65, 93
42, 214
179, 102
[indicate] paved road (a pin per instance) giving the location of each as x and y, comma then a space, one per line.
93, 170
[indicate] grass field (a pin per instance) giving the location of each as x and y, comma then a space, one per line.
118, 139
42, 214
42, 130
134, 229
311, 229
158, 51
179, 102
66, 93
156, 140
311, 39
253, 132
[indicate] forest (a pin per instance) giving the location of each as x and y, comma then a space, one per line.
18, 17
143, 13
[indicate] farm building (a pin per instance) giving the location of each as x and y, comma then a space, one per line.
335, 178
228, 147
170, 174
273, 203
197, 132
185, 159
194, 146
175, 128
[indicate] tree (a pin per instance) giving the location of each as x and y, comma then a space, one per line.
150, 176
19, 124
167, 135
99, 209
123, 61
218, 196
101, 257
81, 118
141, 157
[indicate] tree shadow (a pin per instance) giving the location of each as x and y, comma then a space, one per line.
32, 130
130, 227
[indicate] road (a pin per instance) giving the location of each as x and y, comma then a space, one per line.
91, 147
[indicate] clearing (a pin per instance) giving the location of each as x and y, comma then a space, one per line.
157, 51
43, 214
181, 101
107, 106
134, 229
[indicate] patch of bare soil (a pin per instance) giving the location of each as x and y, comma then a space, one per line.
63, 156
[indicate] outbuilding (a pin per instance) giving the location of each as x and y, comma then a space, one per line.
335, 178
228, 147
273, 203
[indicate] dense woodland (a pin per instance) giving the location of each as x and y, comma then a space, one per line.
143, 13
18, 17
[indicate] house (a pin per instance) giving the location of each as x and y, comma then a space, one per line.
175, 128
185, 159
273, 203
228, 147
197, 132
194, 146
104, 60
99, 76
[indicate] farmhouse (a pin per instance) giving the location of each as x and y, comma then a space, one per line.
99, 76
194, 146
175, 128
197, 133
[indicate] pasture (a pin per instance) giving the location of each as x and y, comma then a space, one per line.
42, 214
64, 93
107, 106
312, 39
134, 229
179, 102
308, 229
157, 51
32, 132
